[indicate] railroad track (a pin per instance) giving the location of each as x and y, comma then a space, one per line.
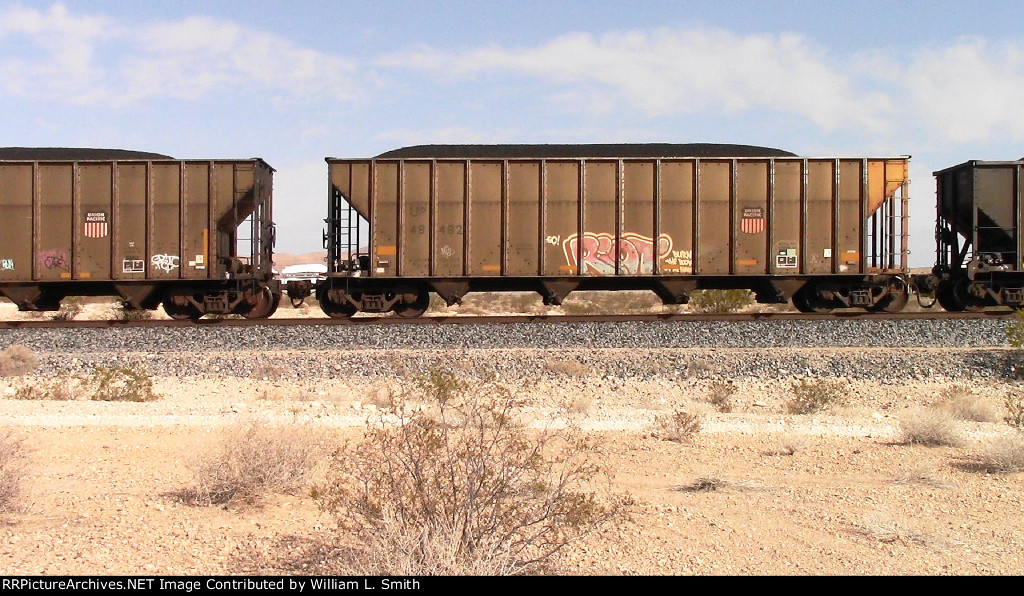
505, 319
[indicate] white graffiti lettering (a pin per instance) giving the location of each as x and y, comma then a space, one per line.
164, 263
6, 264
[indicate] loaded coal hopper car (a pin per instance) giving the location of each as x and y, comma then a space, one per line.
670, 218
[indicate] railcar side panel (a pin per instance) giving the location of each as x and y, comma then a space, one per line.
164, 258
129, 222
54, 211
450, 218
385, 224
714, 232
676, 217
786, 218
750, 217
642, 249
415, 253
16, 250
601, 246
561, 213
821, 179
523, 243
849, 217
484, 238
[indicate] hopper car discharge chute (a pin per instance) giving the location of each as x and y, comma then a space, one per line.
825, 233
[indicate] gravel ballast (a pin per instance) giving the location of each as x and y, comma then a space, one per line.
867, 349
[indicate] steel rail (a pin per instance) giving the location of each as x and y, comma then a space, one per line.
506, 319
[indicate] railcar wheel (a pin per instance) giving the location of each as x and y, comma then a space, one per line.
179, 312
947, 299
805, 300
893, 302
337, 311
266, 304
964, 297
415, 309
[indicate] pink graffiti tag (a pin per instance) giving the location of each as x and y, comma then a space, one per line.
52, 259
635, 253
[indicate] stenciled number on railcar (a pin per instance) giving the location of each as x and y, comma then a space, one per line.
451, 229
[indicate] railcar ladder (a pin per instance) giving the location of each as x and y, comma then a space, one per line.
343, 234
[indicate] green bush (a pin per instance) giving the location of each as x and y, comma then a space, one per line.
720, 301
122, 383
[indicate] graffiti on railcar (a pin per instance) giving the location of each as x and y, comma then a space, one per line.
52, 259
165, 263
635, 254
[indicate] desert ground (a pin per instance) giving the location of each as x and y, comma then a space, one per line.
756, 490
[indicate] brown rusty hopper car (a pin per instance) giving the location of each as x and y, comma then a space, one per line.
196, 235
824, 232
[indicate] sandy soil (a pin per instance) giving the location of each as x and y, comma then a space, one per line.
830, 493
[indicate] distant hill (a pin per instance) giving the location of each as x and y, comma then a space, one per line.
283, 259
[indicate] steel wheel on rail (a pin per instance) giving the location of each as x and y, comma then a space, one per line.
264, 303
335, 310
416, 308
894, 301
180, 308
807, 300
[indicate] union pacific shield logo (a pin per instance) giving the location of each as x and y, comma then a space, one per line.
752, 220
96, 224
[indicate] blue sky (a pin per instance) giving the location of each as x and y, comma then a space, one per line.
295, 82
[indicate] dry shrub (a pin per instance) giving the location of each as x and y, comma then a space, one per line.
268, 371
571, 368
69, 309
884, 527
126, 312
720, 395
932, 426
678, 427
1005, 454
814, 396
49, 389
581, 405
461, 487
17, 360
253, 460
1015, 409
720, 301
789, 444
12, 469
959, 401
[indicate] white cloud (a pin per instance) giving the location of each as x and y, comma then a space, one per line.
59, 57
968, 92
188, 58
678, 72
197, 55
